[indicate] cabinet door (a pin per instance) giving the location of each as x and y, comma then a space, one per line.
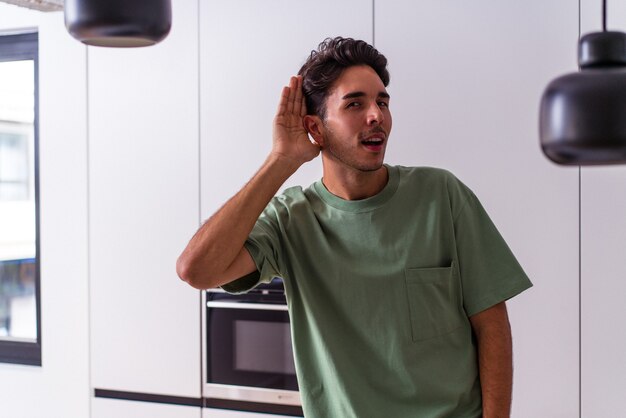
466, 80
603, 209
248, 51
107, 408
143, 187
222, 413
603, 291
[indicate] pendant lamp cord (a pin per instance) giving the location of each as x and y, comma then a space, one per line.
604, 15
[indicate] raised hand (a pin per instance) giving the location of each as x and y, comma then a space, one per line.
291, 140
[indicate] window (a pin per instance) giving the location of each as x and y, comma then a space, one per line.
20, 314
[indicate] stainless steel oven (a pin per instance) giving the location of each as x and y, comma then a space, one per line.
247, 350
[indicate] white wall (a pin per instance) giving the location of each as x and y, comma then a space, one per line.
60, 388
466, 82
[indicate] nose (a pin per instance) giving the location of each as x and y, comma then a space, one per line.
375, 115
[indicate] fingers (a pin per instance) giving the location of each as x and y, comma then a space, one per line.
282, 104
291, 98
303, 107
297, 105
293, 91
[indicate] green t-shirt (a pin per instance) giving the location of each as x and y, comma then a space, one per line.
380, 291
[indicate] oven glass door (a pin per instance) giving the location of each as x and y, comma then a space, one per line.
250, 346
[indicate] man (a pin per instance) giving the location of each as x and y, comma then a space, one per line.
395, 277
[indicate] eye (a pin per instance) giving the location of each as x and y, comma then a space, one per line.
353, 104
383, 104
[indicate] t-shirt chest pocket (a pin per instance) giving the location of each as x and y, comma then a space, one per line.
435, 305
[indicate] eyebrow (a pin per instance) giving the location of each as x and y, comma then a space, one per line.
356, 94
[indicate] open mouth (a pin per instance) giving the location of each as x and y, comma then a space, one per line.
373, 144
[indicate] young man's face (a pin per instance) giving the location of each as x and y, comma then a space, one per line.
358, 120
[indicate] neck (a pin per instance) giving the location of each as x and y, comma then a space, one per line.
352, 184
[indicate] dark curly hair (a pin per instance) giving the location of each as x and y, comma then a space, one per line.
325, 65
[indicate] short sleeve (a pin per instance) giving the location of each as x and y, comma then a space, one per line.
488, 270
263, 244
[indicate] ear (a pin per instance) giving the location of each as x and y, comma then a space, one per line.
314, 126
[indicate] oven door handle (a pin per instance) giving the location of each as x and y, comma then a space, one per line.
256, 306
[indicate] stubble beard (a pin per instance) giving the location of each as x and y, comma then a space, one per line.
345, 156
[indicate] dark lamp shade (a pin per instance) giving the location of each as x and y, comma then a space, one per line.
118, 23
602, 49
582, 116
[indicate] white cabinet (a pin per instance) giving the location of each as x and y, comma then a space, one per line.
144, 204
108, 408
603, 209
466, 80
604, 291
248, 51
222, 413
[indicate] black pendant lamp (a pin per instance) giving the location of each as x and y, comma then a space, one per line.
582, 118
118, 23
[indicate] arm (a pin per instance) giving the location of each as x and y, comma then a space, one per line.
495, 363
216, 254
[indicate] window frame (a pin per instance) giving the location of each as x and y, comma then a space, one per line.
17, 47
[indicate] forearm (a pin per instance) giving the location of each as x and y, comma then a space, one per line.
215, 255
220, 239
495, 362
